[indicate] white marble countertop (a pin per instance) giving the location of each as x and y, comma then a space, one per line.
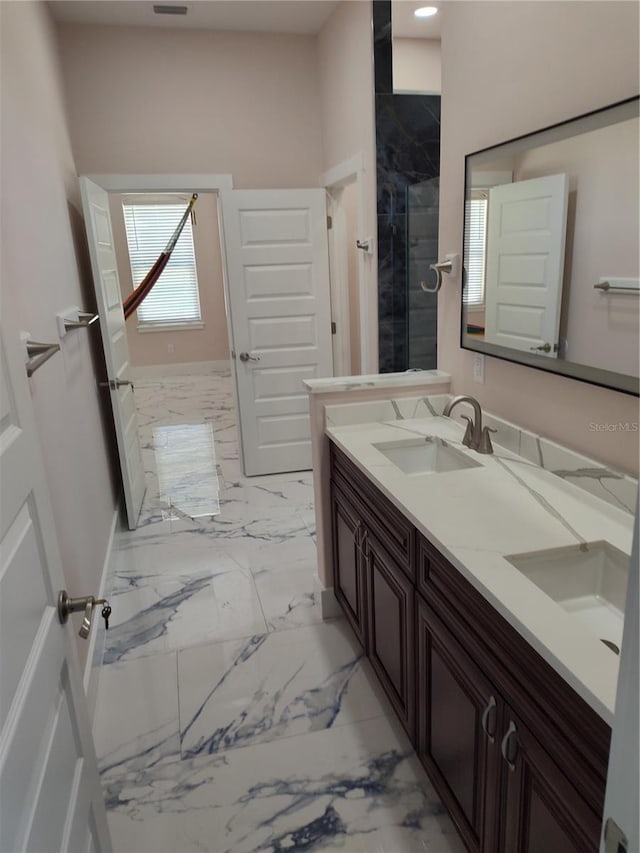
376, 380
508, 505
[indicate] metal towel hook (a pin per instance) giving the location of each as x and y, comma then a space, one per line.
439, 268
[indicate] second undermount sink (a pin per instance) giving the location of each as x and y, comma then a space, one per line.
425, 455
588, 581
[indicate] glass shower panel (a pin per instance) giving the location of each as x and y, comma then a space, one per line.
422, 250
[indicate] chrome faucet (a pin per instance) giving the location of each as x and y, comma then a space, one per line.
475, 436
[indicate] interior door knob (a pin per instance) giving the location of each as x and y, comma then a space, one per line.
244, 356
68, 605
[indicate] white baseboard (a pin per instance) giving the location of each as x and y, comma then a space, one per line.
96, 637
329, 607
187, 368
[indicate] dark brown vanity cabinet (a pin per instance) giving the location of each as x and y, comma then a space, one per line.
541, 808
500, 785
348, 566
374, 565
517, 757
391, 630
459, 717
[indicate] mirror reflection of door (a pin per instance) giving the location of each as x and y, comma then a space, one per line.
526, 233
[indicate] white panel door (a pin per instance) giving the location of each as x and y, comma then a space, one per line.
279, 296
50, 794
525, 263
95, 203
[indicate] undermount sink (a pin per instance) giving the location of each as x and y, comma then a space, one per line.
425, 455
588, 581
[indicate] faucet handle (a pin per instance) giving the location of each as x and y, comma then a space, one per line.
485, 446
467, 439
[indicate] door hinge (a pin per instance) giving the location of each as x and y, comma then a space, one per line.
329, 223
334, 328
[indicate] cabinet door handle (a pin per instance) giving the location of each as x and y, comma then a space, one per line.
509, 745
489, 719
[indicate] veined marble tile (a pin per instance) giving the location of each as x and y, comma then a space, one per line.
353, 788
261, 525
285, 580
599, 480
136, 725
272, 687
139, 561
309, 518
171, 614
298, 553
288, 597
507, 435
420, 407
359, 413
296, 492
257, 556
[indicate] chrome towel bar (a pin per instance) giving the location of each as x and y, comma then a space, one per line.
39, 353
85, 318
608, 287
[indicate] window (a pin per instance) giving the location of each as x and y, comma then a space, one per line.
475, 244
174, 299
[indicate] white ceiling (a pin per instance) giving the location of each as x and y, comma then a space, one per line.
405, 23
278, 16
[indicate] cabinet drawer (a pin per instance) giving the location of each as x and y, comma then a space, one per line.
390, 526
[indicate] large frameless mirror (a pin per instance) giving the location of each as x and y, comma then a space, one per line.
551, 249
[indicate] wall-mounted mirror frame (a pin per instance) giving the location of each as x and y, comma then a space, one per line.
533, 188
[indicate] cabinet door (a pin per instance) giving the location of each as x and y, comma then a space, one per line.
348, 565
542, 810
391, 630
459, 717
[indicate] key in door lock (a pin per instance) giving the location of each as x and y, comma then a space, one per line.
67, 605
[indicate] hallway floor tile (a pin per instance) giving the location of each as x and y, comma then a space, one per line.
230, 717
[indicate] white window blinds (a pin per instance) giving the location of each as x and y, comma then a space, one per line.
475, 240
174, 298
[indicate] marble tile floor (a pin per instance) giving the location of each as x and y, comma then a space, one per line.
230, 717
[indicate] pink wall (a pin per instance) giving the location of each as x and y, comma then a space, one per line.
190, 345
417, 65
345, 61
45, 270
151, 100
509, 68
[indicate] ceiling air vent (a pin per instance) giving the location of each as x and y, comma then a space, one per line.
162, 9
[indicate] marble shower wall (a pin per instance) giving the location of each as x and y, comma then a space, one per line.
408, 168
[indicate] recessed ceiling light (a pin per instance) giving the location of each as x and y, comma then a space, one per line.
425, 12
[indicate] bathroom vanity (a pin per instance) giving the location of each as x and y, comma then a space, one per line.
502, 683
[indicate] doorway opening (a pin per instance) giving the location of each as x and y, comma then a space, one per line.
271, 266
345, 209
